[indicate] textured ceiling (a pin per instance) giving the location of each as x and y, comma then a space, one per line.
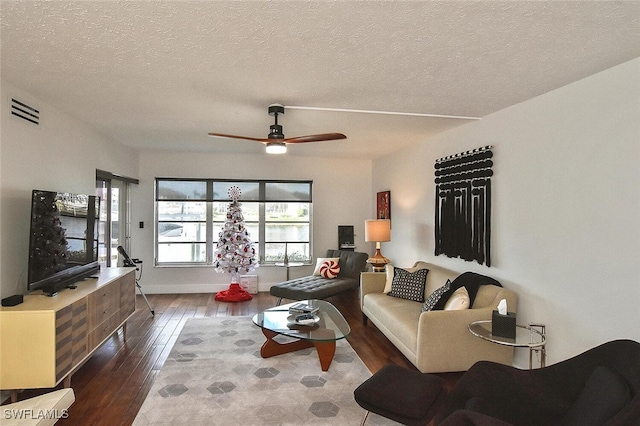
162, 74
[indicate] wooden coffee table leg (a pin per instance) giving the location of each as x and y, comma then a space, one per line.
326, 351
272, 348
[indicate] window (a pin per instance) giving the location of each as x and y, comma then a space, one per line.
191, 212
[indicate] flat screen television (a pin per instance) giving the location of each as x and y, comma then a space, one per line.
63, 240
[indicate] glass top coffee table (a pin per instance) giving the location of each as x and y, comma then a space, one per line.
329, 327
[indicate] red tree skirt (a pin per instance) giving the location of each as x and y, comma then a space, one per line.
234, 293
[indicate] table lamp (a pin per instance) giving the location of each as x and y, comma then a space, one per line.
378, 231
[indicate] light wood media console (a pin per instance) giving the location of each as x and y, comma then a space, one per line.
45, 339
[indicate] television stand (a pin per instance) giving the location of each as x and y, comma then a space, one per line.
64, 331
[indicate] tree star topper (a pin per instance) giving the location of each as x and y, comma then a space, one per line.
234, 193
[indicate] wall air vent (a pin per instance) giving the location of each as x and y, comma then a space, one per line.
21, 110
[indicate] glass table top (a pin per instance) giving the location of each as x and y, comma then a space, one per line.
330, 324
526, 336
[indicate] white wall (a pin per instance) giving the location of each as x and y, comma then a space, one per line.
566, 207
60, 154
341, 196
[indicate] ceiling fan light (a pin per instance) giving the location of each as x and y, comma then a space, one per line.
276, 148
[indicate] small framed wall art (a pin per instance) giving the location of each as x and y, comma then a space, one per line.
383, 206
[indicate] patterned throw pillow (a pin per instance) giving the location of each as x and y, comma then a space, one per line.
408, 285
321, 260
329, 269
435, 296
388, 269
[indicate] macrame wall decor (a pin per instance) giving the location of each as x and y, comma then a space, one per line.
463, 205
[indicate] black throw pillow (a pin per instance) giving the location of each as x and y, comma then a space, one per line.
435, 296
408, 285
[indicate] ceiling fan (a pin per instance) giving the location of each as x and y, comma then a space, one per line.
275, 142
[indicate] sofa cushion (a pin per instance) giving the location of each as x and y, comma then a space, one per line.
320, 261
436, 296
408, 285
604, 394
458, 301
400, 317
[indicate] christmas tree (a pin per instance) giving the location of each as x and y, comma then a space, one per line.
50, 253
234, 253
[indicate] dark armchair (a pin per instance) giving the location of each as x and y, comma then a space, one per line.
598, 387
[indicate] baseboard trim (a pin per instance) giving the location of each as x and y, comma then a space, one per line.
193, 288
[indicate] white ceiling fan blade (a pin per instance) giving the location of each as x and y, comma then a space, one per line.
365, 111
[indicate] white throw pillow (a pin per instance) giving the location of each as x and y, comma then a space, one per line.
458, 301
388, 269
321, 260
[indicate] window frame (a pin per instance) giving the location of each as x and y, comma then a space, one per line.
210, 198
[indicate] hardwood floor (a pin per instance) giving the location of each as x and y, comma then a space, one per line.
112, 385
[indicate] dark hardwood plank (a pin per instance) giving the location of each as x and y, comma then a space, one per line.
112, 385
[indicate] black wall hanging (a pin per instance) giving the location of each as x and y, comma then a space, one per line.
463, 205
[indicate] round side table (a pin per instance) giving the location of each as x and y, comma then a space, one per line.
531, 336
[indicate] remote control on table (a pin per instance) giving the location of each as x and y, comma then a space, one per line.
305, 319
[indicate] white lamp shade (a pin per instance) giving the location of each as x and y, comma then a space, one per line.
377, 230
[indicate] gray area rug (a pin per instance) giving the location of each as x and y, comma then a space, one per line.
215, 375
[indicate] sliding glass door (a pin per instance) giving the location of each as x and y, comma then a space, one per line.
114, 216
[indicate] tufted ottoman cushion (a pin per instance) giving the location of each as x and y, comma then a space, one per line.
313, 287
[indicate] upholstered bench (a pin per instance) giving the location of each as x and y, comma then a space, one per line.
351, 263
406, 396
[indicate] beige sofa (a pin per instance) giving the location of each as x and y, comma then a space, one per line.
438, 340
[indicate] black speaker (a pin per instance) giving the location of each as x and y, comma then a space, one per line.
14, 300
346, 238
